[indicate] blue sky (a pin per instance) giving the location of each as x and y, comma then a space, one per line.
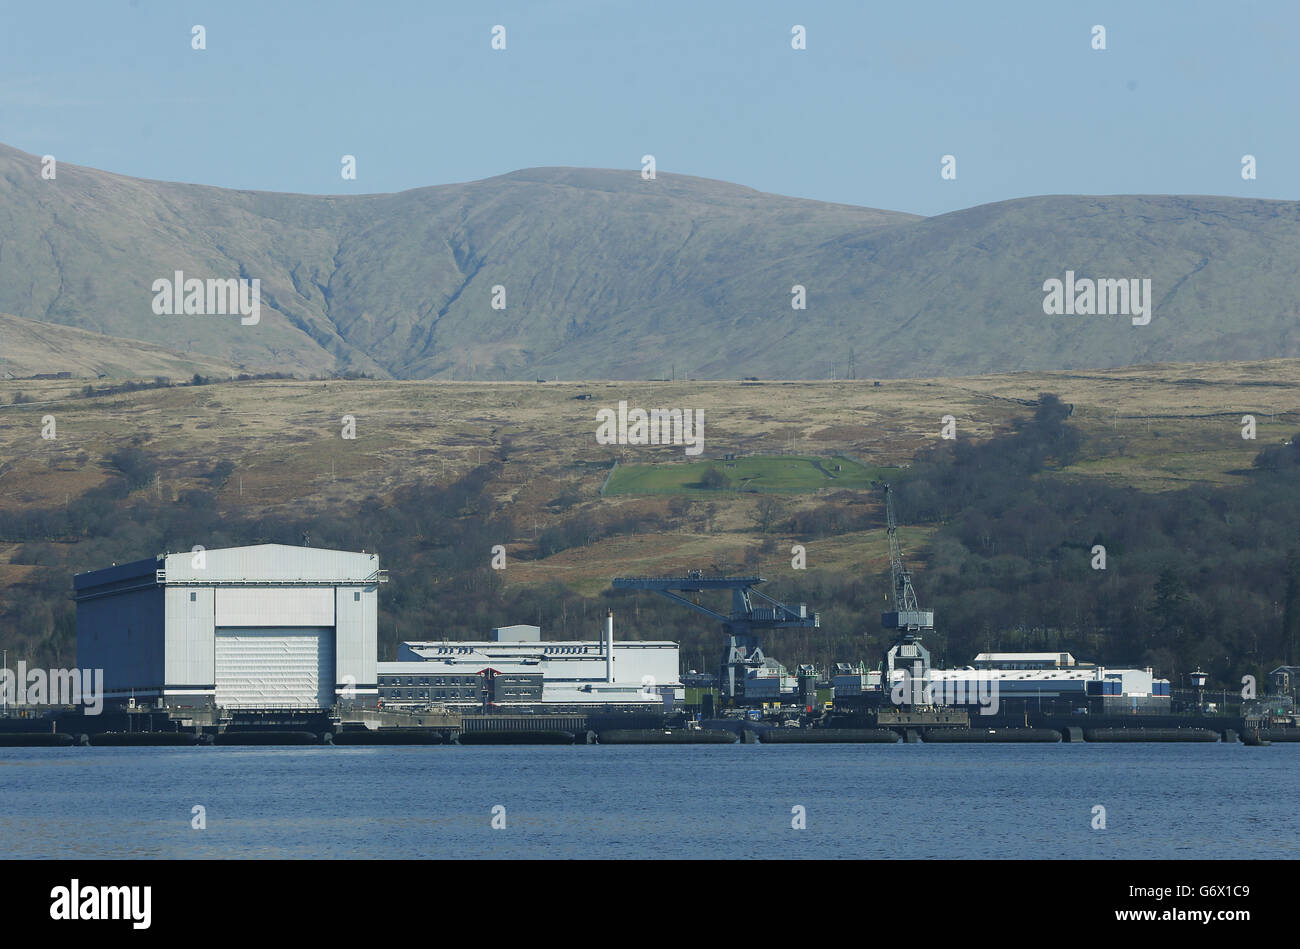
862, 116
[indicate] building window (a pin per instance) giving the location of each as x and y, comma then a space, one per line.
193, 597
356, 597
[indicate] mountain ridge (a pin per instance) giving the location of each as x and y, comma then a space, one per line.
606, 275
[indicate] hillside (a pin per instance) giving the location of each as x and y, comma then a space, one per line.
610, 276
455, 468
28, 347
1162, 427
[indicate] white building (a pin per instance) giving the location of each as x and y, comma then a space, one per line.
769, 681
851, 679
268, 626
1025, 660
515, 667
1046, 677
1043, 680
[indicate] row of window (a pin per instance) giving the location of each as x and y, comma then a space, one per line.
429, 693
465, 680
429, 680
464, 694
356, 597
548, 650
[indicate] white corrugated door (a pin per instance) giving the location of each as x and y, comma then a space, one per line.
275, 667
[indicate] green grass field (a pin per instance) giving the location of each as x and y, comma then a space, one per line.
779, 474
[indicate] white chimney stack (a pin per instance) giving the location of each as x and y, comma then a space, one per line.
609, 647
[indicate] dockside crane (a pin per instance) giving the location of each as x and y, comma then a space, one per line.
751, 611
906, 619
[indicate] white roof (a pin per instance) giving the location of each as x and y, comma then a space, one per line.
432, 646
1024, 657
1011, 674
272, 562
269, 564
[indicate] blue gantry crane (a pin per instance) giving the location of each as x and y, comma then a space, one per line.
751, 612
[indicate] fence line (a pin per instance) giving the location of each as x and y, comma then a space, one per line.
612, 469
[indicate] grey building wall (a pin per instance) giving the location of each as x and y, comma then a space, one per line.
190, 616
356, 614
120, 629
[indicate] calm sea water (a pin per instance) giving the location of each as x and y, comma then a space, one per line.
1162, 801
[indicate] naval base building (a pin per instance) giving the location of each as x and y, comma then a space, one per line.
279, 627
267, 626
516, 668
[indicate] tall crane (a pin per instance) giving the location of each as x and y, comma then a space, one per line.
751, 611
906, 614
907, 619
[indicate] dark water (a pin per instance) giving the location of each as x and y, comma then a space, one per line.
872, 801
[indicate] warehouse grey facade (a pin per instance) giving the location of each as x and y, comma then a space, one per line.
267, 626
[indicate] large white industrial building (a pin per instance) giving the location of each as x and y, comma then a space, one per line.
1058, 679
267, 626
1045, 679
1046, 676
516, 668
